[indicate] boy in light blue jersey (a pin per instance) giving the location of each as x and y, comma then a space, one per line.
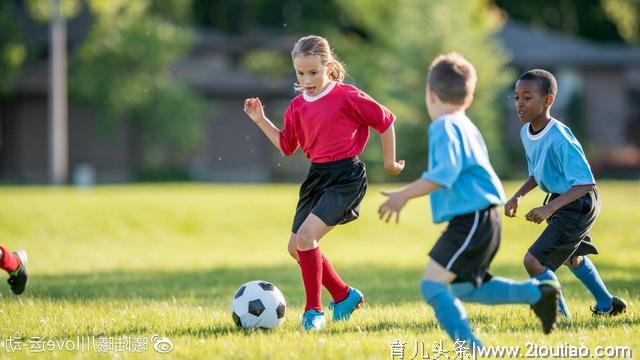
557, 164
464, 191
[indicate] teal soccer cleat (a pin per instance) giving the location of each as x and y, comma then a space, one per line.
342, 310
313, 320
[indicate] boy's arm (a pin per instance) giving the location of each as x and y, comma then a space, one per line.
253, 108
398, 199
576, 170
528, 185
391, 166
540, 214
511, 207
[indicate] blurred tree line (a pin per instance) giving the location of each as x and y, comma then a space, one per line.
603, 20
387, 48
120, 67
386, 45
402, 38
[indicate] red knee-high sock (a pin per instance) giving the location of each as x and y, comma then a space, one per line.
9, 261
311, 267
332, 281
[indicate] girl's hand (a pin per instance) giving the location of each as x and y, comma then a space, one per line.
253, 108
395, 202
511, 206
395, 168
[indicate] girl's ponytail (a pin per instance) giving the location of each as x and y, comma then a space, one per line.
338, 71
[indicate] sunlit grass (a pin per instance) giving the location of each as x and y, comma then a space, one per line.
133, 261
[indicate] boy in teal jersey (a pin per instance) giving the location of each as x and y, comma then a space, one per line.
556, 163
465, 191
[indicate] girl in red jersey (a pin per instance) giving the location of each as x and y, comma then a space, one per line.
330, 121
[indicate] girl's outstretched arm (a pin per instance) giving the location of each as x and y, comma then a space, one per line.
253, 108
391, 166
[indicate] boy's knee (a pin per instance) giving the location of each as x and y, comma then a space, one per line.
532, 265
574, 262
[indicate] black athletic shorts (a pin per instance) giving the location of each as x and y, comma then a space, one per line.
567, 233
468, 244
332, 191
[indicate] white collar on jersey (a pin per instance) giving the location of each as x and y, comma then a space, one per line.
321, 95
539, 135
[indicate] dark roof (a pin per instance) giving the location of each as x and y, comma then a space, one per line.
534, 47
210, 67
211, 41
210, 75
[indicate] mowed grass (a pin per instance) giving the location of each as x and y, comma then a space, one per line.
133, 261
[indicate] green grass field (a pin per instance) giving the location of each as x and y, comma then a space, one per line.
122, 263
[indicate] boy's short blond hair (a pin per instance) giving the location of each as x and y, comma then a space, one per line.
452, 78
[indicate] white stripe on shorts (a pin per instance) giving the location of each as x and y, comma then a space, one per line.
466, 241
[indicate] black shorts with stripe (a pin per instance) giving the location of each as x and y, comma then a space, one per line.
567, 232
468, 244
332, 191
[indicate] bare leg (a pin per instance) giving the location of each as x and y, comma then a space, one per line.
310, 233
574, 262
292, 247
436, 272
532, 265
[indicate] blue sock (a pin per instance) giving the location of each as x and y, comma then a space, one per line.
449, 311
499, 291
547, 274
588, 274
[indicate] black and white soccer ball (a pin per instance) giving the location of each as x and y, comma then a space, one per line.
258, 304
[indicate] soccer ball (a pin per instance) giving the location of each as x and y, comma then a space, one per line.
258, 304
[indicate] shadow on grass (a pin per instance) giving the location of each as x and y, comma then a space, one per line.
385, 285
380, 284
421, 325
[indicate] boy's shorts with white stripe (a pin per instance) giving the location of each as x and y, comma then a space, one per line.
468, 244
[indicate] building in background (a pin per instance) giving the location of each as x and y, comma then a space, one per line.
599, 98
599, 93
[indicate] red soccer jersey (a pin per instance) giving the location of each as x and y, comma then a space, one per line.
333, 125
